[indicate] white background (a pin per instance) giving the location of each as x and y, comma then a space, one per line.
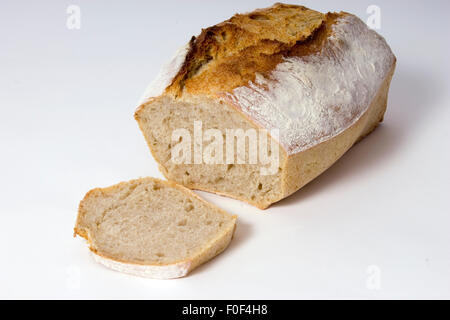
67, 99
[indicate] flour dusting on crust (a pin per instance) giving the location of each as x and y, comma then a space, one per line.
172, 271
314, 98
166, 74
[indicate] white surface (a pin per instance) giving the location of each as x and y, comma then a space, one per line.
67, 99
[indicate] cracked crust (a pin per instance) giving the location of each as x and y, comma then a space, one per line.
229, 54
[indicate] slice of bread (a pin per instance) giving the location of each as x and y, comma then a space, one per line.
152, 228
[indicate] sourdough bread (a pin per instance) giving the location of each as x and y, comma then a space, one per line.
317, 83
152, 228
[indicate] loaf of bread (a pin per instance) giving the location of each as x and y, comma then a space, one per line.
152, 228
310, 84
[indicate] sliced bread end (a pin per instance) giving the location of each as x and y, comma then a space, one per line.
152, 228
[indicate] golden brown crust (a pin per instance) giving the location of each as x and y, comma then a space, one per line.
230, 53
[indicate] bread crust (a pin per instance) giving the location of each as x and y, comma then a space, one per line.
172, 270
230, 54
